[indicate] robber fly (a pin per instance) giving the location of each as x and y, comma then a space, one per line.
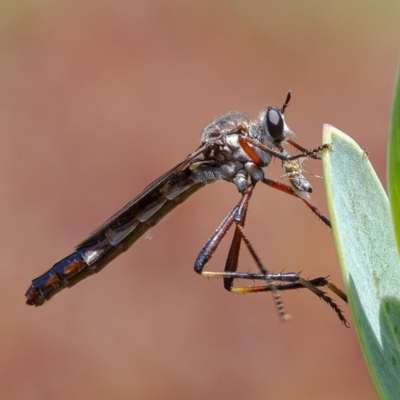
233, 148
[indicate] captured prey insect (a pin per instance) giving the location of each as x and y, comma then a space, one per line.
233, 148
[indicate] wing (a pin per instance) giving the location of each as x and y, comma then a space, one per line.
142, 201
119, 232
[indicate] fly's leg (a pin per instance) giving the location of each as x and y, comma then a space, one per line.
232, 262
298, 282
275, 282
237, 216
289, 190
247, 145
303, 150
212, 244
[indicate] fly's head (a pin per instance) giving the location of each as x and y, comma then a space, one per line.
270, 128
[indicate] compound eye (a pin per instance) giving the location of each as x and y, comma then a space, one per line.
274, 124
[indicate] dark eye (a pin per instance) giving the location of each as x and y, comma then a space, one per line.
274, 123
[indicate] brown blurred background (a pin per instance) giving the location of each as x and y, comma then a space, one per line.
100, 98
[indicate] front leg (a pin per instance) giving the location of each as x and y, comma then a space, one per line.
246, 143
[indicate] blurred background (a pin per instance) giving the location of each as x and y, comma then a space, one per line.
100, 98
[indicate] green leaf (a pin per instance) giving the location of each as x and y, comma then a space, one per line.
394, 162
366, 248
